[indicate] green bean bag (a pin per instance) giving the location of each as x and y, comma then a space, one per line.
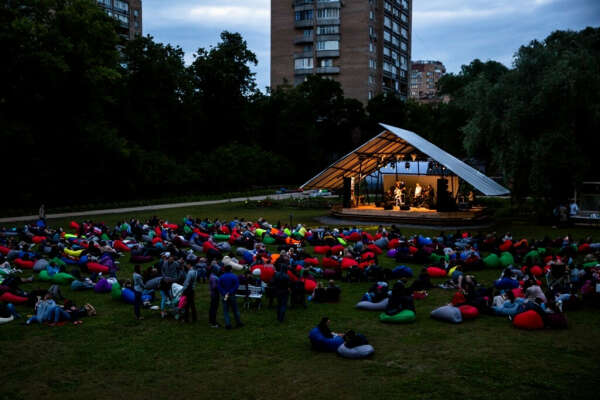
220, 237
533, 256
342, 241
590, 264
268, 239
104, 237
403, 317
492, 261
58, 262
259, 231
115, 291
297, 236
506, 259
287, 231
43, 276
435, 258
62, 278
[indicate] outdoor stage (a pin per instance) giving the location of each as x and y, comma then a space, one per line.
414, 216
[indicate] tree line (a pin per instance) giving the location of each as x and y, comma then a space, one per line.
86, 117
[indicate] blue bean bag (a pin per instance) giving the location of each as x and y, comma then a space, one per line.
355, 352
368, 305
321, 343
402, 271
447, 314
128, 295
506, 284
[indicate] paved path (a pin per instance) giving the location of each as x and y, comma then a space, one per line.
327, 220
157, 207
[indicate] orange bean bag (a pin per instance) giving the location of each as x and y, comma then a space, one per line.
348, 262
435, 272
468, 312
12, 298
322, 249
25, 264
95, 267
528, 320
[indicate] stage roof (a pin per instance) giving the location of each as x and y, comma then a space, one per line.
383, 149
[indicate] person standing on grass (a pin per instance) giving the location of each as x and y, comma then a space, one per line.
188, 291
213, 288
138, 288
281, 285
228, 285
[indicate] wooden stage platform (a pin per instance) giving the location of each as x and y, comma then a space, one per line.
414, 216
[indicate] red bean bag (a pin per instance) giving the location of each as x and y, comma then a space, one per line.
120, 246
206, 246
367, 255
38, 239
322, 249
95, 267
536, 271
348, 262
435, 272
393, 243
369, 237
225, 229
311, 261
156, 239
293, 277
412, 250
528, 320
203, 235
354, 237
506, 246
12, 298
330, 263
266, 273
365, 264
584, 248
374, 249
518, 292
171, 226
25, 264
309, 285
458, 298
468, 312
74, 225
4, 250
338, 248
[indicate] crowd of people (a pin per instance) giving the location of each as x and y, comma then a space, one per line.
289, 264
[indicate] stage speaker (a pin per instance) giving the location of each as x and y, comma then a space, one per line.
347, 195
442, 195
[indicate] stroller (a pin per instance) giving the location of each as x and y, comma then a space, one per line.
175, 303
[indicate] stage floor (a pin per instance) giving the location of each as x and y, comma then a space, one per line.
415, 216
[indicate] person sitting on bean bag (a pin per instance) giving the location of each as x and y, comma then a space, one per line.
400, 299
423, 282
323, 339
376, 293
508, 305
353, 339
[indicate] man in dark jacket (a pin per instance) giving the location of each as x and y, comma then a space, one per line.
281, 286
228, 285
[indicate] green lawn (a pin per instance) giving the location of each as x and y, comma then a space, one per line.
112, 355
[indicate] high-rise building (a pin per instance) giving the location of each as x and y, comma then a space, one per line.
424, 75
128, 13
363, 44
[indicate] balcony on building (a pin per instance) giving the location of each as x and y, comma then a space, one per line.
328, 70
298, 3
304, 71
304, 23
327, 53
328, 21
303, 54
301, 39
329, 4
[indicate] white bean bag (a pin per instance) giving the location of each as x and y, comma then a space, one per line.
6, 320
355, 352
234, 265
447, 314
368, 305
40, 265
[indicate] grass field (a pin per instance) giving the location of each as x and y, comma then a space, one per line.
114, 356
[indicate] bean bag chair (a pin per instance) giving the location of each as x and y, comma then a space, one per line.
77, 285
220, 237
435, 272
115, 291
140, 259
38, 239
12, 298
355, 352
259, 232
7, 319
311, 261
95, 267
309, 285
492, 261
403, 317
266, 273
74, 225
402, 271
73, 253
153, 284
321, 343
338, 248
468, 312
349, 262
4, 250
447, 314
506, 246
412, 250
330, 263
120, 246
330, 274
128, 296
506, 259
40, 265
374, 249
354, 237
506, 284
322, 249
590, 264
435, 258
528, 320
370, 306
536, 271
381, 243
584, 248
269, 240
392, 253
43, 276
392, 244
61, 278
24, 264
102, 286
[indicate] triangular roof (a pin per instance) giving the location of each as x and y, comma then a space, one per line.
384, 147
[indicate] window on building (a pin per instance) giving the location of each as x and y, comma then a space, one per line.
326, 62
372, 64
395, 41
303, 63
404, 18
387, 22
403, 46
105, 2
396, 28
371, 47
371, 80
370, 94
328, 30
304, 15
328, 45
387, 51
429, 73
387, 36
405, 4
323, 13
404, 33
403, 63
136, 13
387, 6
308, 33
308, 48
371, 15
396, 12
121, 6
